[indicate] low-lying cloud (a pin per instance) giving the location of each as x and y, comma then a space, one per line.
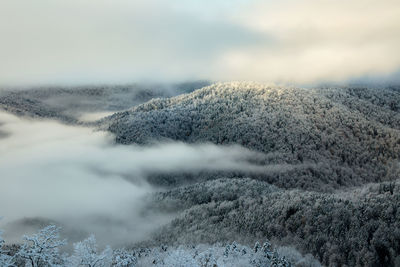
122, 41
78, 177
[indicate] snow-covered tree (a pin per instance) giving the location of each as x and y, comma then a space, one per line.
207, 258
179, 257
86, 254
5, 260
122, 258
42, 249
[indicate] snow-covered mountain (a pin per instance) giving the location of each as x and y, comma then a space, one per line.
340, 136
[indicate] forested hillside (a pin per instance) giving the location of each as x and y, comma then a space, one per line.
357, 228
341, 136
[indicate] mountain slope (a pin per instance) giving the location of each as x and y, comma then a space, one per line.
350, 134
359, 227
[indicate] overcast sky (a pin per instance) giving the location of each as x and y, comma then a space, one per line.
97, 41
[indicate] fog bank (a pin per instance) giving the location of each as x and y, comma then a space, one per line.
81, 179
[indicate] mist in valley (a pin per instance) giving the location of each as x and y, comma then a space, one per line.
79, 178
